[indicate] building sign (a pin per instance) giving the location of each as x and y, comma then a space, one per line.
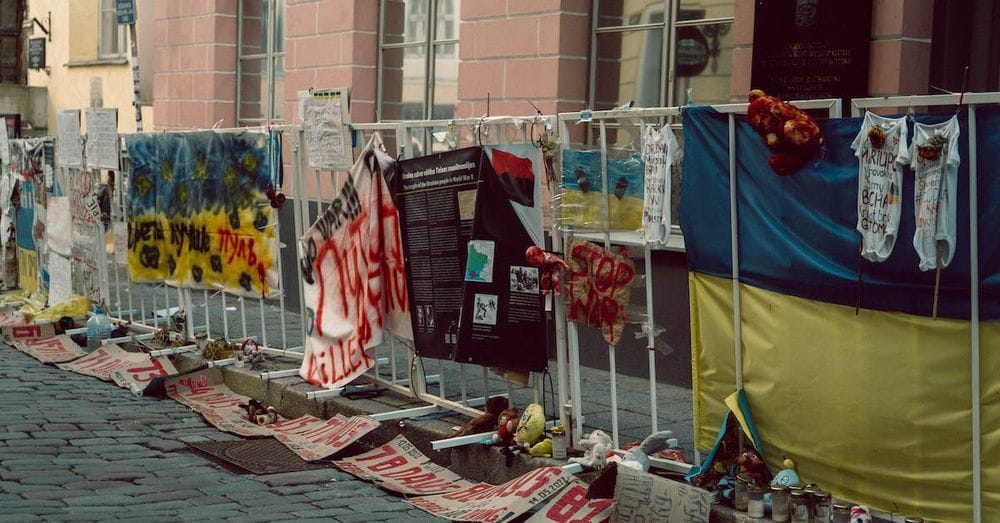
36, 53
692, 51
808, 49
125, 11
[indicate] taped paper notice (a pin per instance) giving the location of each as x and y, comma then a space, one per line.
4, 144
325, 117
313, 439
102, 138
398, 466
60, 278
496, 504
205, 392
69, 151
59, 349
59, 227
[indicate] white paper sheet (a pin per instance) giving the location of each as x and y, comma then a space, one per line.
69, 152
325, 118
102, 138
60, 278
59, 226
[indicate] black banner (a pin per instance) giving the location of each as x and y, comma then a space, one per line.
809, 49
436, 198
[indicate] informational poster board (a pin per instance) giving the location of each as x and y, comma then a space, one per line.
436, 198
102, 138
69, 150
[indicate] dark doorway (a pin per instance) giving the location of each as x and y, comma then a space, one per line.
11, 17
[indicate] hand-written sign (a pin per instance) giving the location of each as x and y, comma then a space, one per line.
102, 138
400, 467
205, 392
58, 349
355, 282
496, 504
325, 117
69, 150
598, 286
141, 375
110, 357
198, 211
20, 332
572, 506
644, 497
313, 439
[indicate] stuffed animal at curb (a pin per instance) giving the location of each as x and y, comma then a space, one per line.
550, 267
597, 445
753, 467
787, 476
488, 421
259, 414
791, 134
542, 449
531, 426
638, 457
506, 427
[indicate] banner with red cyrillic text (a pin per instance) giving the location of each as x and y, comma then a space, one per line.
20, 332
572, 506
206, 392
497, 503
58, 349
313, 438
111, 357
400, 467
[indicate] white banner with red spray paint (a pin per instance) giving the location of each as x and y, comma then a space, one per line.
314, 439
400, 467
351, 259
110, 357
572, 506
32, 331
496, 504
206, 392
58, 349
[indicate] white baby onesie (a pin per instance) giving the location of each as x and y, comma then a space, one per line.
882, 151
935, 160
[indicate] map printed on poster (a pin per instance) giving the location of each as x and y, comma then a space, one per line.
436, 196
326, 118
644, 497
502, 322
598, 288
198, 212
205, 392
110, 357
400, 467
496, 504
102, 138
351, 261
69, 150
58, 349
572, 506
314, 439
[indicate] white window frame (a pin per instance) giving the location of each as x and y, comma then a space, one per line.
269, 56
430, 44
104, 7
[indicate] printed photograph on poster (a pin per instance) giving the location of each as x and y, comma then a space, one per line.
524, 279
485, 311
479, 261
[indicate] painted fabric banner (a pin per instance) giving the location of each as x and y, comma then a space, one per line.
583, 203
58, 349
436, 196
110, 357
198, 213
27, 253
598, 288
205, 392
497, 503
502, 323
86, 236
572, 506
355, 281
400, 467
314, 439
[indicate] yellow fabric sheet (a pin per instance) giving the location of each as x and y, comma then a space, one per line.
875, 407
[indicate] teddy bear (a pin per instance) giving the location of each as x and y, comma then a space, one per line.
488, 421
597, 446
506, 427
792, 135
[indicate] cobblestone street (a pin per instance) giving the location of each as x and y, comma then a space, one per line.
73, 448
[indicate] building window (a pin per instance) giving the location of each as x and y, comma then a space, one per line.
418, 60
111, 43
965, 34
260, 75
661, 52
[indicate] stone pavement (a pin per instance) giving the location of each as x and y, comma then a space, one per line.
73, 448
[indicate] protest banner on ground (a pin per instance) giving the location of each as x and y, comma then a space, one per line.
20, 332
400, 467
111, 357
314, 439
572, 506
496, 504
205, 392
58, 349
641, 497
141, 375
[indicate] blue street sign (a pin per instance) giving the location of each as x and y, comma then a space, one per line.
125, 10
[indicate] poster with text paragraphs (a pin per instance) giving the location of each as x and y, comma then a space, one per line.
584, 204
351, 261
502, 321
436, 196
199, 216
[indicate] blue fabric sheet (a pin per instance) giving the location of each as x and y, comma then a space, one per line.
797, 234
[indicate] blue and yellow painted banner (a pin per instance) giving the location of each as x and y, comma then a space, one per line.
583, 201
875, 406
199, 215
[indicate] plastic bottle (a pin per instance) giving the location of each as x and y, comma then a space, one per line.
98, 328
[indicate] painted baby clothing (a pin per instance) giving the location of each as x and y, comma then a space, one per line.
935, 159
882, 150
660, 152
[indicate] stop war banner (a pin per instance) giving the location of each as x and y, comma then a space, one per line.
58, 349
314, 439
111, 357
400, 467
496, 504
572, 506
206, 392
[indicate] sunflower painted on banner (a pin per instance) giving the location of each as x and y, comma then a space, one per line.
199, 215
